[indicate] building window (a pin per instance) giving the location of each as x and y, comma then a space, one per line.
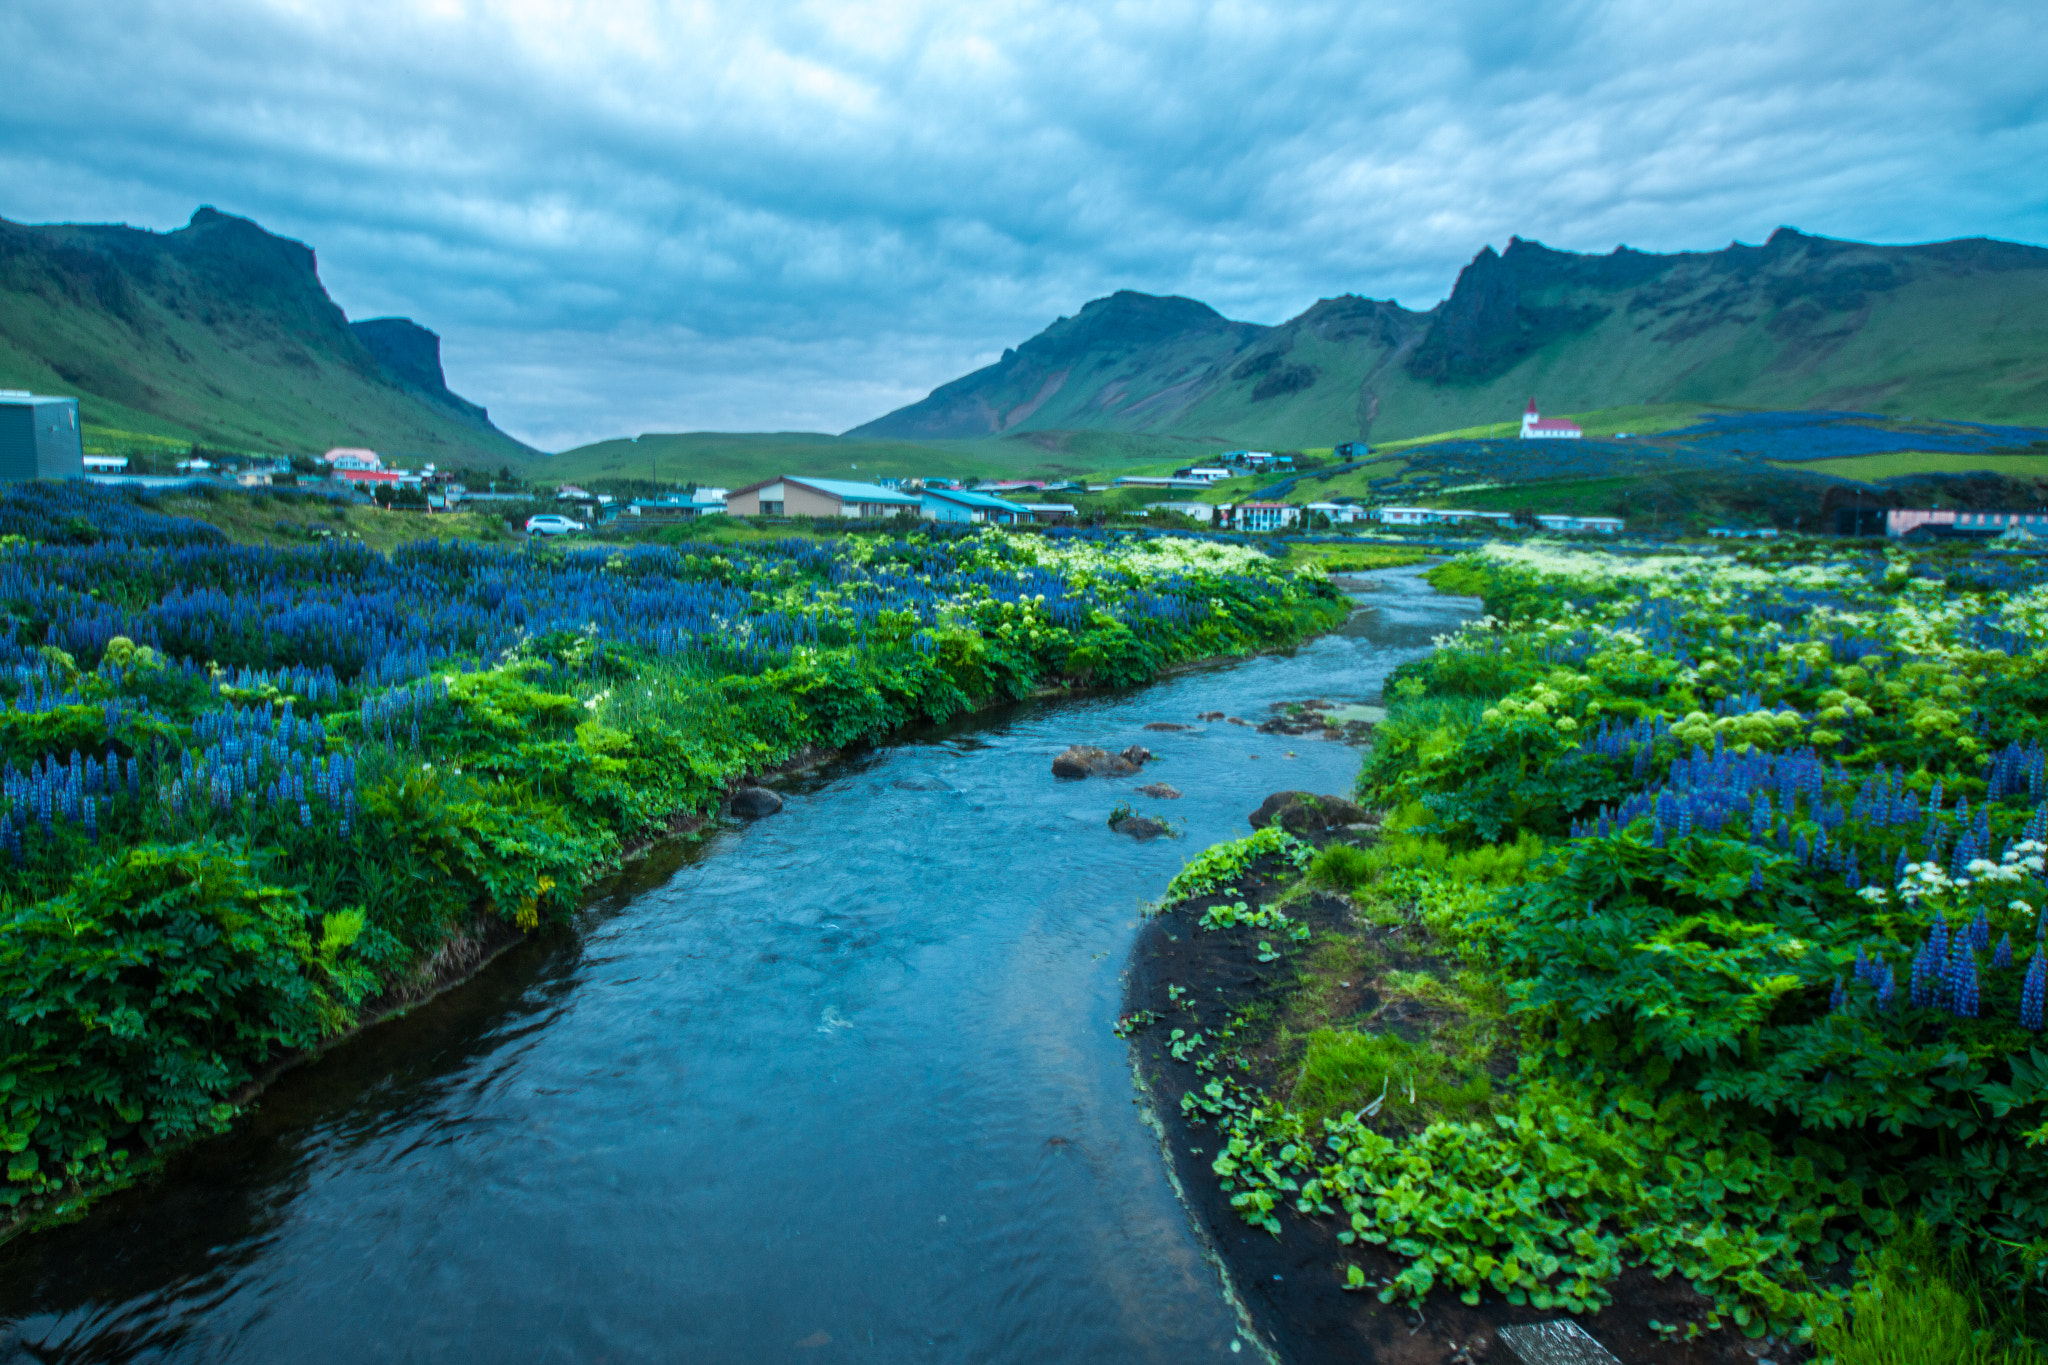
771, 509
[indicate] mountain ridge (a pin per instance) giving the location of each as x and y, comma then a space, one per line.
222, 331
1958, 328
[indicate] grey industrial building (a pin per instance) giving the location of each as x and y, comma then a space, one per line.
39, 437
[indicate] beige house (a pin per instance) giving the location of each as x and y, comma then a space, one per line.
788, 496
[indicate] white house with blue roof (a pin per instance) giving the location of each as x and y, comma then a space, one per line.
948, 504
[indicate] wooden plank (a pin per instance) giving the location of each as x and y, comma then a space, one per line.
1555, 1343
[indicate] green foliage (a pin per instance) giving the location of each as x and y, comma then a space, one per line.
1712, 1082
232, 873
142, 998
1223, 864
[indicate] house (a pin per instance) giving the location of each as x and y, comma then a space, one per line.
351, 457
1206, 473
1203, 512
1252, 459
1051, 513
1944, 525
371, 478
1438, 516
1351, 450
1263, 516
945, 504
252, 478
789, 496
195, 465
1339, 513
39, 437
1158, 481
1742, 532
1563, 522
1536, 427
1408, 516
105, 464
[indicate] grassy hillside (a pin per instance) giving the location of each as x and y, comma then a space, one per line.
1956, 330
735, 459
222, 333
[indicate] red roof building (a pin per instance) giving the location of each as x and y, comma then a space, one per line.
1538, 428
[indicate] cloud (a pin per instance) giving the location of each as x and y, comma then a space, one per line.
632, 216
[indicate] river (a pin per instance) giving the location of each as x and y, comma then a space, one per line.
836, 1086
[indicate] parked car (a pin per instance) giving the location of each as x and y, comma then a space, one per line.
550, 524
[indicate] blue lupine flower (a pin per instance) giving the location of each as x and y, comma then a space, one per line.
1839, 996
1980, 932
2001, 958
2033, 992
1887, 990
1963, 991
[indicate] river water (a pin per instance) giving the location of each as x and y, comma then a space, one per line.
836, 1086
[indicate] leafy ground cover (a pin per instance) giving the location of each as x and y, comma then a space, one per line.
1737, 861
251, 795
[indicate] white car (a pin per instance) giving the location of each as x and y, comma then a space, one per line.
549, 524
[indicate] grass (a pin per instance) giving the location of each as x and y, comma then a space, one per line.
1870, 468
1917, 1305
1353, 558
254, 520
1342, 1071
736, 459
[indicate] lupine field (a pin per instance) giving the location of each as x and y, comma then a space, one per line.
1741, 855
250, 795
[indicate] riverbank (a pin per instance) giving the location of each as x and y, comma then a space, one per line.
381, 761
1688, 972
1244, 1001
860, 1046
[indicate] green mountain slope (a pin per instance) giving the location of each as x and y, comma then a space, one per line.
222, 332
1954, 329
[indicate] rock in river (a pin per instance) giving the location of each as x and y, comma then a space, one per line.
1085, 760
1166, 725
1307, 813
1141, 827
755, 802
1160, 791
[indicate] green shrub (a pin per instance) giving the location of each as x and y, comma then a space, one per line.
144, 996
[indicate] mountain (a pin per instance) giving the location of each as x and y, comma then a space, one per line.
1951, 329
222, 332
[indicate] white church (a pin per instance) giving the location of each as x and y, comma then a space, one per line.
1539, 428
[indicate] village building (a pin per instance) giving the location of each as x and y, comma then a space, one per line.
352, 457
946, 504
39, 437
1563, 522
1940, 524
1262, 516
1051, 513
789, 496
1195, 511
1536, 427
1339, 513
1187, 485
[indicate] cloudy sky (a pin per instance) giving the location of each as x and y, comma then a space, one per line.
778, 215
